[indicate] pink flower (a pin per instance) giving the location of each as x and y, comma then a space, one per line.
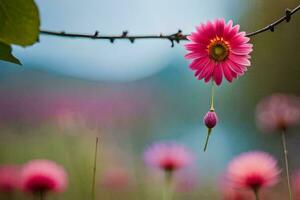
278, 111
43, 176
168, 156
253, 170
9, 178
210, 119
229, 192
115, 178
218, 49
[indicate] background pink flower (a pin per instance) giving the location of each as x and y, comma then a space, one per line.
253, 170
168, 156
43, 176
218, 49
278, 111
9, 178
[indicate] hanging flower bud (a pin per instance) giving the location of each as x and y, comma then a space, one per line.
210, 120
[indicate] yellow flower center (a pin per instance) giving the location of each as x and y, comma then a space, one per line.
218, 49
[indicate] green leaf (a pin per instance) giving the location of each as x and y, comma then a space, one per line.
19, 22
5, 54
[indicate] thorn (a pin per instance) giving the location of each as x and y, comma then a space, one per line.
95, 34
125, 33
288, 15
131, 40
178, 35
112, 40
172, 42
271, 28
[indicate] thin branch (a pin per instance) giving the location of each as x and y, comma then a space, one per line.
176, 37
271, 27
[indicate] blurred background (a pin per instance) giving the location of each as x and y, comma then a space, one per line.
70, 91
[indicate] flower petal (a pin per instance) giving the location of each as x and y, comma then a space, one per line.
241, 60
198, 38
231, 33
238, 40
209, 74
233, 74
199, 63
209, 30
194, 55
208, 70
219, 27
241, 51
218, 74
227, 29
194, 47
226, 71
207, 78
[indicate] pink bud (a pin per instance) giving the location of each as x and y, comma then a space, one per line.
210, 119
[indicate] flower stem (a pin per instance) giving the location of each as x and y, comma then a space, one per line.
212, 99
212, 96
42, 195
167, 185
207, 138
256, 194
285, 152
94, 170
